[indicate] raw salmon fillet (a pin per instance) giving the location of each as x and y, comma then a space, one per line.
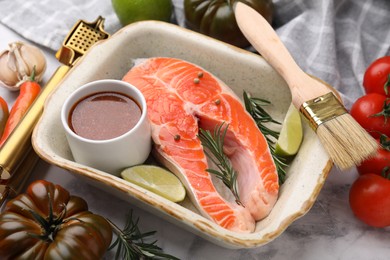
181, 97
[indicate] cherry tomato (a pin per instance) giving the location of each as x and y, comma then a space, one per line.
369, 199
377, 77
372, 112
381, 160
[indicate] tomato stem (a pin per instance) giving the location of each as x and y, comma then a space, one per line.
386, 110
51, 224
384, 141
386, 172
387, 84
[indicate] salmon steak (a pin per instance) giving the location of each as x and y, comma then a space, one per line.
181, 98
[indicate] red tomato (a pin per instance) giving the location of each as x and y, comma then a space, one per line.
377, 77
372, 112
369, 199
381, 160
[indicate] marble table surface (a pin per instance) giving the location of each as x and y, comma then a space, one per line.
328, 231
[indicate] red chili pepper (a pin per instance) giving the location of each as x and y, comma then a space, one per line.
29, 90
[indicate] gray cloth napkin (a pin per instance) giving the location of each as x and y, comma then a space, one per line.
334, 40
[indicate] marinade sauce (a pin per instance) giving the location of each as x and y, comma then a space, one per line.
104, 115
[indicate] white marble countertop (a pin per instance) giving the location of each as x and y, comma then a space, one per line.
328, 231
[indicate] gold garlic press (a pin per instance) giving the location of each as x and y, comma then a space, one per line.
17, 157
82, 36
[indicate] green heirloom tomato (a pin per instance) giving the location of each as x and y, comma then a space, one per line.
47, 223
215, 18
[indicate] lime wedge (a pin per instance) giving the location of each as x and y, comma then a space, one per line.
157, 180
291, 135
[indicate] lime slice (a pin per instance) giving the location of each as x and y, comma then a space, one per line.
157, 180
291, 135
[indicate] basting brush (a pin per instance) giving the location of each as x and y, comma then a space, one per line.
346, 142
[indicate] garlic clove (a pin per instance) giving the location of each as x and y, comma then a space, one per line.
8, 73
30, 56
17, 63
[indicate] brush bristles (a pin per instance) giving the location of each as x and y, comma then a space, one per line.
346, 142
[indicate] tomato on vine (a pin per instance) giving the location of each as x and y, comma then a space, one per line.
369, 199
372, 112
381, 159
377, 77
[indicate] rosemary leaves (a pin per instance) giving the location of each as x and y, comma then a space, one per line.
213, 142
254, 106
131, 243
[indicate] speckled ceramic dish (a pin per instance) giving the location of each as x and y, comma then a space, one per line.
241, 70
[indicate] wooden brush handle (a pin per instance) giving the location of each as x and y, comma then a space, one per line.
265, 40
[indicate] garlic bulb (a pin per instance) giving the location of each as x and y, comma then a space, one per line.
17, 64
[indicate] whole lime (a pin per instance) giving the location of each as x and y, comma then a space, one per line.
129, 11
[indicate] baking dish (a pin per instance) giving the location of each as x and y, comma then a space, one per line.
239, 69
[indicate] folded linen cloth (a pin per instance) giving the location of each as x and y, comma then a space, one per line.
48, 22
334, 40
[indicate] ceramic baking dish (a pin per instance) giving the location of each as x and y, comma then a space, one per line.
239, 69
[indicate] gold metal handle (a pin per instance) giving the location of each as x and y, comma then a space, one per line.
16, 182
19, 141
17, 149
17, 156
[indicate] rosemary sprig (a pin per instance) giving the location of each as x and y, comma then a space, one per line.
262, 117
214, 144
131, 243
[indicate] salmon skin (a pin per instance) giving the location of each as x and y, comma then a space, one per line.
182, 97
